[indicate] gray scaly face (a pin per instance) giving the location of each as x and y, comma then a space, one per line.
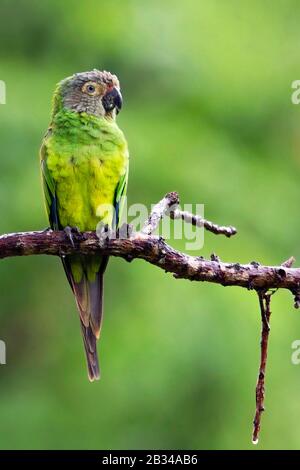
94, 92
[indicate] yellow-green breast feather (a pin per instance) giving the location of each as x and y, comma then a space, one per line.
86, 161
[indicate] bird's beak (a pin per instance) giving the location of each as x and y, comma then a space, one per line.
112, 99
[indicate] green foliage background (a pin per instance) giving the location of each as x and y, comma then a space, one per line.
207, 112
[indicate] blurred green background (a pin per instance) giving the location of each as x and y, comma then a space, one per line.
207, 112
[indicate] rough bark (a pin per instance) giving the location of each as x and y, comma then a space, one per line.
153, 249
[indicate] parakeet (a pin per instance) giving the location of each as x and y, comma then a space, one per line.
84, 164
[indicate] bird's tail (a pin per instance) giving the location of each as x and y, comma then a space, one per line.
85, 275
90, 346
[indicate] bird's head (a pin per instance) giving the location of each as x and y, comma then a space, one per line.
97, 93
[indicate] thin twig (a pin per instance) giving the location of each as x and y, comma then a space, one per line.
169, 206
264, 303
159, 211
289, 262
199, 221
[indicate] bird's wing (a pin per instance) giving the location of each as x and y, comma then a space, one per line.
88, 293
79, 289
119, 197
49, 187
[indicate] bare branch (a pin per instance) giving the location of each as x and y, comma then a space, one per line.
153, 249
264, 303
169, 206
289, 262
200, 222
159, 211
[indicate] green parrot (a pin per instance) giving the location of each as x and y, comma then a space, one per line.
84, 164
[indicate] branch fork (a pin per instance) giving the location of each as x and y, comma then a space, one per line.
265, 280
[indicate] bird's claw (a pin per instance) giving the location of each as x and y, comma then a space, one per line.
104, 233
69, 232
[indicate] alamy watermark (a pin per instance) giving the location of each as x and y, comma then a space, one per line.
295, 357
2, 352
2, 92
169, 229
295, 97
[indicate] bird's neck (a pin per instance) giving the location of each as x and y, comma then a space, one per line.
80, 126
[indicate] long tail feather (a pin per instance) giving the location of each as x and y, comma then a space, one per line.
96, 290
96, 303
89, 341
89, 299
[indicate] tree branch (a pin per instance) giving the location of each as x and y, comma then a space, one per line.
156, 251
200, 222
153, 249
264, 304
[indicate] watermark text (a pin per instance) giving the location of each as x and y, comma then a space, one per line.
2, 352
2, 92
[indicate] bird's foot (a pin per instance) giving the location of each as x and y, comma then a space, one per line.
70, 232
104, 233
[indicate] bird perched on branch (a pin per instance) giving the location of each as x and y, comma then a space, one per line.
84, 163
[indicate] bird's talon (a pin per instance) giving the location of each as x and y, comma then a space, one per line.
104, 233
68, 232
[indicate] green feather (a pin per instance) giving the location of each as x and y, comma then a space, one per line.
84, 164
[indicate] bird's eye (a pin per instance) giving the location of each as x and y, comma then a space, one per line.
91, 88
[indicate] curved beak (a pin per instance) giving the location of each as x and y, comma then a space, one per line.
112, 99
